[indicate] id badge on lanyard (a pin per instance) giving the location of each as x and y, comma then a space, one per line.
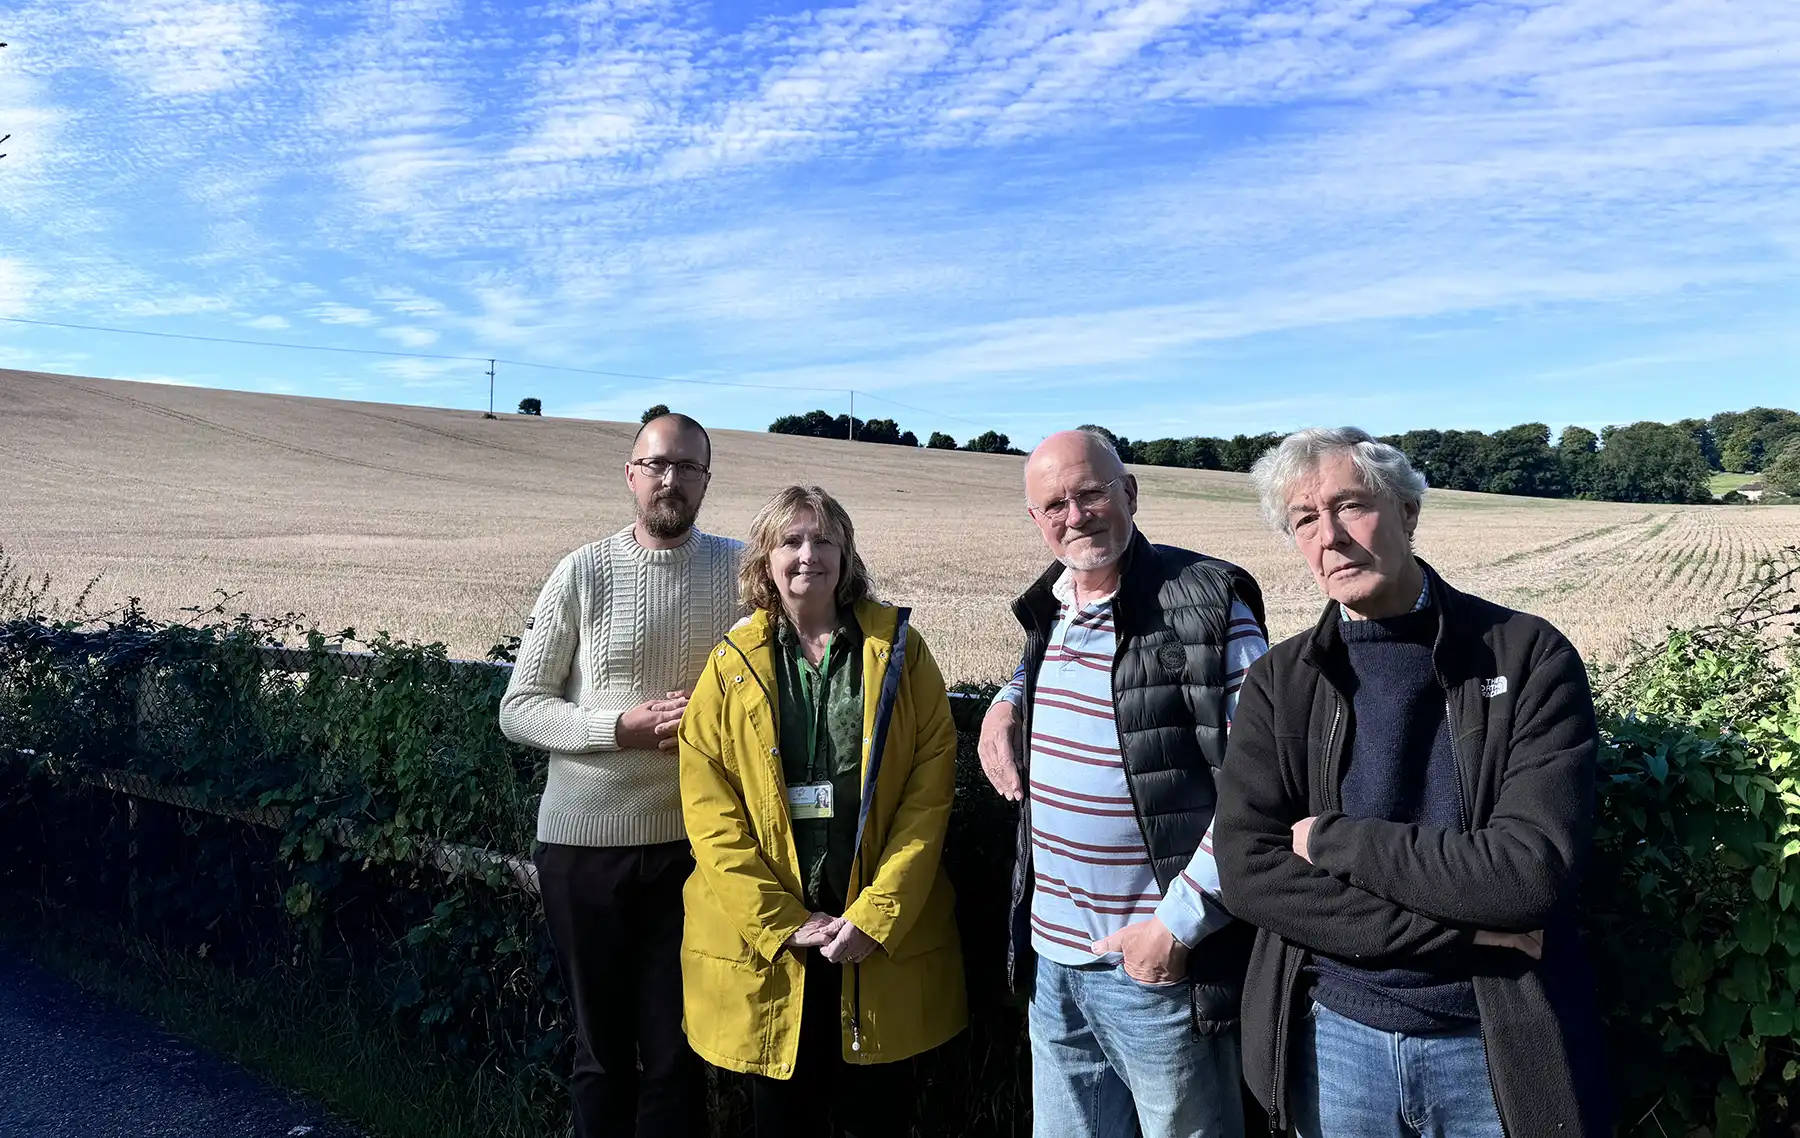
809, 800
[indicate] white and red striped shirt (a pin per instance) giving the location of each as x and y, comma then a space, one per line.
1092, 869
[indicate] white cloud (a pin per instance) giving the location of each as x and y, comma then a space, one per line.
331, 312
269, 323
17, 283
438, 374
411, 336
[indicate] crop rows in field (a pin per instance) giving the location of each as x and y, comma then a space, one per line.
439, 525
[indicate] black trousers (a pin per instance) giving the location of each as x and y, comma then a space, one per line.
615, 921
827, 1096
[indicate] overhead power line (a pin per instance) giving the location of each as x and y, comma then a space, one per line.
668, 379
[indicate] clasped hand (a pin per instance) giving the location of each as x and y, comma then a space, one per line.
653, 723
837, 939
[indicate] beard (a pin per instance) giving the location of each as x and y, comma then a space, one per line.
1092, 555
669, 515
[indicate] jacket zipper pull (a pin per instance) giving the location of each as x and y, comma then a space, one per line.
856, 1009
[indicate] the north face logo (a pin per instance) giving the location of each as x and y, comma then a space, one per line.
1173, 660
1493, 687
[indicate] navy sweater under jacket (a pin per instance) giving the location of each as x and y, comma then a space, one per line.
1401, 769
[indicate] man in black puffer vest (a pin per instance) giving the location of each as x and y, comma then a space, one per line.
1109, 734
1405, 815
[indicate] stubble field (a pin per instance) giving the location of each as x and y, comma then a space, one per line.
441, 525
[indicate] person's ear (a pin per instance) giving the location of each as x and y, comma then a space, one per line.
1131, 493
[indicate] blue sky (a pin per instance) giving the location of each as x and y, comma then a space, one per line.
1169, 216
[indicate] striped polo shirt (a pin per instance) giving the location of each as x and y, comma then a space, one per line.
1093, 874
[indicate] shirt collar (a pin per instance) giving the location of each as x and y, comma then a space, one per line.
1420, 605
1063, 589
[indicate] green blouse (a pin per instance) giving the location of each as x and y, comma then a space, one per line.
821, 723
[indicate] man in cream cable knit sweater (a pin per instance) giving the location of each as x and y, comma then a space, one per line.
618, 635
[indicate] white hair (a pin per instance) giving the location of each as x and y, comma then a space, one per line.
1384, 469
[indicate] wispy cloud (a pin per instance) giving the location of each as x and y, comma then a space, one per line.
332, 312
950, 198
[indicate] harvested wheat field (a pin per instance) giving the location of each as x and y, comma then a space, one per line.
440, 525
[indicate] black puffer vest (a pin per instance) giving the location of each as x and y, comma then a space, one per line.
1171, 613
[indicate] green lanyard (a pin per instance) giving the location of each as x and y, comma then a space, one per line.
818, 693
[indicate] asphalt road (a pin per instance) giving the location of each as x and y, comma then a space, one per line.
73, 1066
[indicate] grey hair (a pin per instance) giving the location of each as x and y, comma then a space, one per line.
1385, 469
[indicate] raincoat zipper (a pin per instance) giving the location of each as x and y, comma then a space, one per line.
884, 711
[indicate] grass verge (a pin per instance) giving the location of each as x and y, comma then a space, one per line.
1725, 482
296, 1030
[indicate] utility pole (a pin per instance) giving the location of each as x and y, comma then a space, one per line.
490, 389
852, 414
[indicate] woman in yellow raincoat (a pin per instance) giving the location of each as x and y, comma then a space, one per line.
818, 765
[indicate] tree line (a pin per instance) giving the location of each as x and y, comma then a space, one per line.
1636, 462
825, 425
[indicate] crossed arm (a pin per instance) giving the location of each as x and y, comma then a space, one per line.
1368, 889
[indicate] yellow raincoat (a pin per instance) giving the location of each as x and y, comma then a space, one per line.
741, 988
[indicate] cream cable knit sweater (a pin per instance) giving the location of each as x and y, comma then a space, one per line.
615, 625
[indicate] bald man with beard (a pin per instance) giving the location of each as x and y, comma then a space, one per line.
618, 635
1108, 737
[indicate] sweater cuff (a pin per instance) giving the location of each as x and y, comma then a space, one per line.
603, 729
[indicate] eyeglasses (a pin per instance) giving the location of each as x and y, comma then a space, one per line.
658, 468
1089, 500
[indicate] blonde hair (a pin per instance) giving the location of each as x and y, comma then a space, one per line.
755, 583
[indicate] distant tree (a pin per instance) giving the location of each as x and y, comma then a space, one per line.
1578, 454
879, 431
908, 439
1701, 430
1782, 476
1420, 448
655, 412
1782, 428
1462, 461
1159, 452
813, 424
1202, 453
940, 441
530, 405
1652, 462
1740, 453
990, 442
1240, 452
1748, 439
1519, 461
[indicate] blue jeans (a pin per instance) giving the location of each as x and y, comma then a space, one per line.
1353, 1081
1113, 1058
